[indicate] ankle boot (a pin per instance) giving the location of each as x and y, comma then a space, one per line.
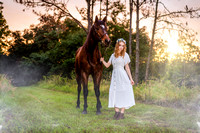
120, 116
116, 115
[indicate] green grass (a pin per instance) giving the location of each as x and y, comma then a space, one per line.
33, 109
165, 93
47, 107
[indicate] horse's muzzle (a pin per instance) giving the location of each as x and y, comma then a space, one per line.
107, 42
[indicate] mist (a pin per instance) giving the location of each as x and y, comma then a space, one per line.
19, 72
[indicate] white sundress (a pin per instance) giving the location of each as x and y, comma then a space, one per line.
121, 91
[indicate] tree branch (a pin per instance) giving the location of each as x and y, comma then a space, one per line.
48, 3
180, 12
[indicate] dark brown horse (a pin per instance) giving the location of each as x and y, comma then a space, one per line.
88, 62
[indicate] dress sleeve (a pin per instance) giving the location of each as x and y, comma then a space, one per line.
111, 58
127, 59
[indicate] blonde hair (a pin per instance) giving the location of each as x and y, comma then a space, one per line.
122, 53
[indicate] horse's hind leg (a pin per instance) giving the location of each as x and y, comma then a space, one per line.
97, 80
79, 91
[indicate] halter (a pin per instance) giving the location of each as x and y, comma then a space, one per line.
100, 37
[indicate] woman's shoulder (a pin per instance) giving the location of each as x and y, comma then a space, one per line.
126, 54
112, 54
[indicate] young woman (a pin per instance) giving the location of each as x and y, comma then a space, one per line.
121, 92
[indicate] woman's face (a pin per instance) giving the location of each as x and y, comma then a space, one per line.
121, 46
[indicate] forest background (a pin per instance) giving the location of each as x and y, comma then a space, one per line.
48, 48
38, 89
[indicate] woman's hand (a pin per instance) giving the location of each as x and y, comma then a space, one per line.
132, 82
102, 59
106, 64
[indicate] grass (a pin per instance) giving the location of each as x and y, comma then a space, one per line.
38, 109
167, 94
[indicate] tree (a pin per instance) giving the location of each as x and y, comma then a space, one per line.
152, 41
88, 14
130, 30
138, 5
52, 5
4, 30
106, 7
164, 18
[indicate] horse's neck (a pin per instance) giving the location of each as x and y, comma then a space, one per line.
91, 43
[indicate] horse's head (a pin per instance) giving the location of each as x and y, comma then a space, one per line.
100, 28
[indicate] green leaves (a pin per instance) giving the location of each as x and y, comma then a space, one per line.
4, 31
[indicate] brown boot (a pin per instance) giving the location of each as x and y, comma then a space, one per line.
120, 116
116, 115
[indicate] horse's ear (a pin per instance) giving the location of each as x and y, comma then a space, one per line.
96, 19
105, 19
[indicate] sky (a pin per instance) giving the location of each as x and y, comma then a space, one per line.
18, 19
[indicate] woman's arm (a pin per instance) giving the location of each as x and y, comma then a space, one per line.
106, 64
129, 73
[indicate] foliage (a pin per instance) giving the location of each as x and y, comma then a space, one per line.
18, 48
44, 49
50, 47
4, 30
191, 51
164, 92
5, 84
182, 73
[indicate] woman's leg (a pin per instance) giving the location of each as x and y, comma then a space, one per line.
116, 109
122, 110
117, 112
121, 114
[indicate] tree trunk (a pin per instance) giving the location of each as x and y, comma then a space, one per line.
137, 44
92, 12
152, 42
106, 8
88, 15
130, 31
100, 9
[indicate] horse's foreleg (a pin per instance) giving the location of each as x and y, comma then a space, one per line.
97, 92
97, 81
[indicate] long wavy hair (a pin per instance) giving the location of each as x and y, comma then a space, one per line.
122, 53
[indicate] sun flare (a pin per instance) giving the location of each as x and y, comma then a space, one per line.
173, 46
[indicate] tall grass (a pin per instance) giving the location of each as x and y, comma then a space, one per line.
161, 92
58, 83
165, 92
5, 84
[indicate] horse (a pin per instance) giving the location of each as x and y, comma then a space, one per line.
87, 62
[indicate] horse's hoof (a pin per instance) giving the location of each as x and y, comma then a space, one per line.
84, 112
98, 113
78, 107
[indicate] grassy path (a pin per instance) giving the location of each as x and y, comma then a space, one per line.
33, 109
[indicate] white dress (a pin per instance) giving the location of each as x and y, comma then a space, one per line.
121, 91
